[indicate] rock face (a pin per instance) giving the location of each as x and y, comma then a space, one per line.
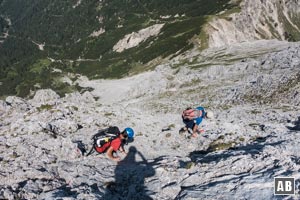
135, 38
43, 97
253, 138
258, 19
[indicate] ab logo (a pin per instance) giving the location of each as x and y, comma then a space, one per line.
284, 186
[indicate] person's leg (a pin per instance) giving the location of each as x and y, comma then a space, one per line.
195, 128
188, 125
182, 130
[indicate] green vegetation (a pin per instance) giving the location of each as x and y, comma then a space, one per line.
109, 114
3, 26
66, 32
45, 107
292, 30
40, 66
255, 111
189, 165
219, 144
171, 126
216, 146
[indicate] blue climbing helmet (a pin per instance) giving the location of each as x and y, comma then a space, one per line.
129, 132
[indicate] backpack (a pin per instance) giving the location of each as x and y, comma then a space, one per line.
100, 138
190, 114
105, 135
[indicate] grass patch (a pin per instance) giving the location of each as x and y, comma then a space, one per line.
225, 107
255, 111
45, 107
189, 165
171, 126
109, 114
215, 146
40, 66
73, 108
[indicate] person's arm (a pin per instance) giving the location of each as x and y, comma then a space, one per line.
110, 155
122, 150
195, 129
197, 122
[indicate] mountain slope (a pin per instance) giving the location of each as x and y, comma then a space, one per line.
250, 141
43, 42
256, 20
82, 37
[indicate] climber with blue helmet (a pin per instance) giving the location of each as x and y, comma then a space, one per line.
111, 140
117, 144
129, 132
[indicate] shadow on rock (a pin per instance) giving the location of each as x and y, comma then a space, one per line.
130, 176
269, 171
190, 191
208, 156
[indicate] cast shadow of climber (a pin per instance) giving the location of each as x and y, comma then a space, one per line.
130, 177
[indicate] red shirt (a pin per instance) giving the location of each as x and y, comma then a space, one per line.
115, 144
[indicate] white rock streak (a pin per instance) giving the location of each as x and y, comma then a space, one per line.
135, 38
97, 33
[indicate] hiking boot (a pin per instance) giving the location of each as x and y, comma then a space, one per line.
199, 131
182, 130
194, 135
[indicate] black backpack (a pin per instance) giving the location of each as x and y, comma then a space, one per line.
104, 136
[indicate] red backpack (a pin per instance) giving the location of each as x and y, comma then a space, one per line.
102, 138
191, 114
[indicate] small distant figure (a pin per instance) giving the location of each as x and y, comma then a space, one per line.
111, 140
192, 118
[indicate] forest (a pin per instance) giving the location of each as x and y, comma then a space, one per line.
64, 29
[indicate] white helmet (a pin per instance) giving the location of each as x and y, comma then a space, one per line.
209, 114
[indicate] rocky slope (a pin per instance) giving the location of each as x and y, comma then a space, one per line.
253, 90
257, 19
118, 38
